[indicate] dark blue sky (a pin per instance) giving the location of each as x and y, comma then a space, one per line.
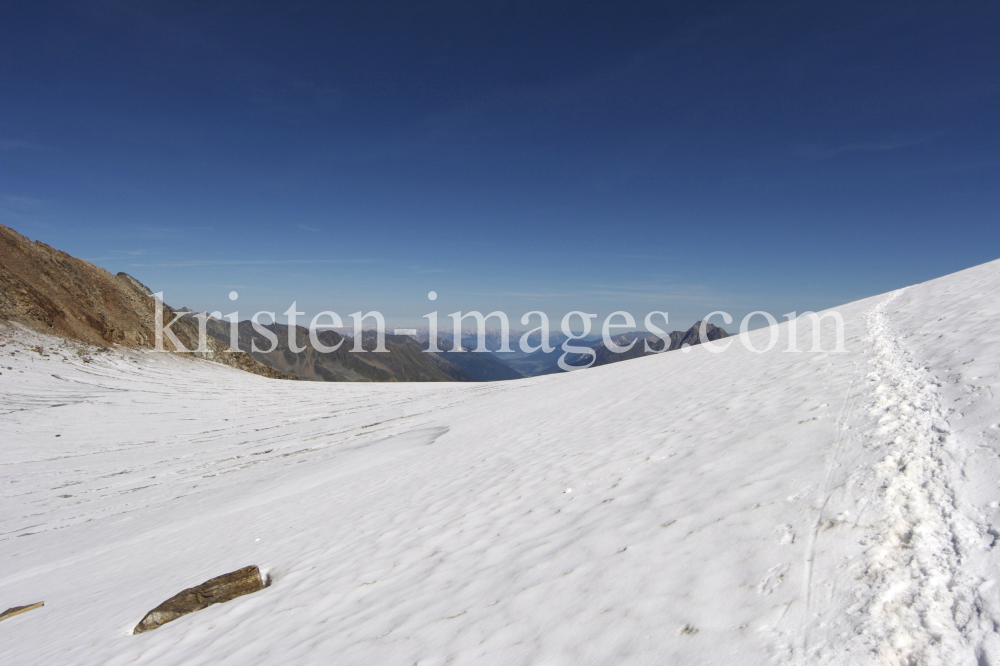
556, 156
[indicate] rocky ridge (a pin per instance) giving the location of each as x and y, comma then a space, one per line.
52, 292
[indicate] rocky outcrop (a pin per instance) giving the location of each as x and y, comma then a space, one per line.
52, 292
213, 591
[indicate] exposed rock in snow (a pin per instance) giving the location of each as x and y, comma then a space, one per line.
213, 591
17, 610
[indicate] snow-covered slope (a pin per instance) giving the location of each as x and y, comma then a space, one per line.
688, 508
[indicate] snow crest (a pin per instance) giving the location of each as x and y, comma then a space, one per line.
920, 602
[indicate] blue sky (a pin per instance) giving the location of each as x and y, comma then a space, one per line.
522, 156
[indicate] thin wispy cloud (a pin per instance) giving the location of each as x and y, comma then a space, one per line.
165, 231
22, 202
19, 144
816, 151
529, 294
250, 262
19, 210
695, 294
702, 297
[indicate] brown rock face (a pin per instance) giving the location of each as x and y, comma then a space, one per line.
213, 591
50, 291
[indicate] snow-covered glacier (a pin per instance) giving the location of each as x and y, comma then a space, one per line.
685, 508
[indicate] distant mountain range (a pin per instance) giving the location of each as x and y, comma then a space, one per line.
677, 340
50, 291
404, 360
542, 363
407, 359
484, 366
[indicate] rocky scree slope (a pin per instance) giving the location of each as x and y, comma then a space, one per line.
52, 292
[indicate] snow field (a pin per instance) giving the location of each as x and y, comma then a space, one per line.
729, 508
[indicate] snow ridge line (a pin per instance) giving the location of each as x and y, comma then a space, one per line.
919, 601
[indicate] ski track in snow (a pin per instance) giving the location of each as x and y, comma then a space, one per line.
684, 508
846, 409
